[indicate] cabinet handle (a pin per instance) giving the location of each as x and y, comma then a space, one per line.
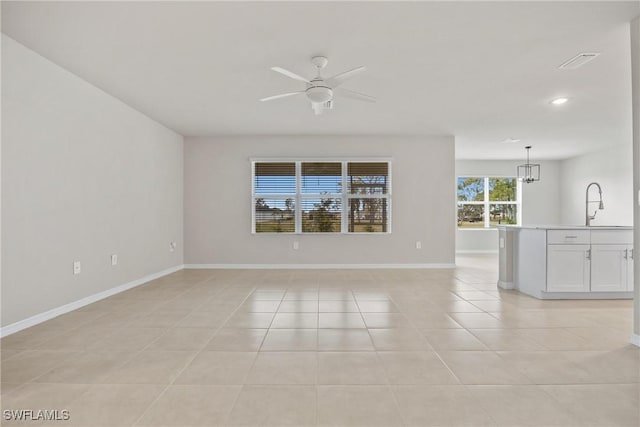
626, 254
570, 237
631, 253
588, 254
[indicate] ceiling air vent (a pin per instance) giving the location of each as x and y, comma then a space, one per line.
578, 61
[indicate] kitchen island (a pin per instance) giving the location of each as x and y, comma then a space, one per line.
567, 262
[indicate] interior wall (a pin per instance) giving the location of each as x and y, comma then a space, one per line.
613, 170
218, 202
540, 200
84, 176
635, 68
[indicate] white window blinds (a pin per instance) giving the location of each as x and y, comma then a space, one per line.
321, 197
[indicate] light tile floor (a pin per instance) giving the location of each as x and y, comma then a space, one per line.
330, 347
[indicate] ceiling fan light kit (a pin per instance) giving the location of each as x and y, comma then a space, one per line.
320, 91
319, 94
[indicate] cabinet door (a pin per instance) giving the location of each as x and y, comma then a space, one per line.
568, 268
609, 268
630, 268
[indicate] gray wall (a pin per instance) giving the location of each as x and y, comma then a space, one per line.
83, 176
613, 169
540, 200
218, 202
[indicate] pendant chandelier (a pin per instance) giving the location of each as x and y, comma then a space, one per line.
529, 172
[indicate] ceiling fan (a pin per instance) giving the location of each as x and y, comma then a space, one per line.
320, 91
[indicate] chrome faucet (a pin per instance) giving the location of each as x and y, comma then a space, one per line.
589, 218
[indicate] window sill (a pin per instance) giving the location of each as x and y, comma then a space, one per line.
479, 228
388, 233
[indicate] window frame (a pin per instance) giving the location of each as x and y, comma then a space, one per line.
344, 197
486, 203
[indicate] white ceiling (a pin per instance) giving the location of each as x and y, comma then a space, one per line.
483, 72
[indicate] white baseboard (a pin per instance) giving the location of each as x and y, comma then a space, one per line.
635, 339
585, 295
55, 312
471, 252
314, 266
506, 285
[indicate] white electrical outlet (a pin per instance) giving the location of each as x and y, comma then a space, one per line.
296, 245
502, 243
172, 246
114, 259
76, 267
418, 244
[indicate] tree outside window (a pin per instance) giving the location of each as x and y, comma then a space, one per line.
485, 202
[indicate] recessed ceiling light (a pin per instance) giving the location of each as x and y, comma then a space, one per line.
559, 101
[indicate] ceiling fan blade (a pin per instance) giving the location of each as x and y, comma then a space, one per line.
290, 74
338, 79
282, 95
355, 95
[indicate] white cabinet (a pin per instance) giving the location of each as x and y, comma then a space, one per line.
551, 262
609, 268
568, 268
589, 261
612, 260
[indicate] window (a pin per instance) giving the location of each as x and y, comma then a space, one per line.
368, 185
274, 197
321, 197
485, 202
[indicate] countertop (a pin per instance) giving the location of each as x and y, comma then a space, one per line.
567, 227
